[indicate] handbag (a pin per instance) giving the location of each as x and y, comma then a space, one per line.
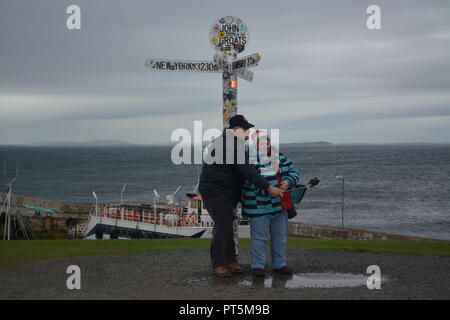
296, 196
286, 202
297, 193
291, 213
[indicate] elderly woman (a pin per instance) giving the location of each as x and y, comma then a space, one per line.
268, 214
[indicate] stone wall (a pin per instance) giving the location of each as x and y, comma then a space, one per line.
66, 213
299, 229
60, 207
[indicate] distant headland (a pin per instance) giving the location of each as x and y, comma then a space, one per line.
89, 143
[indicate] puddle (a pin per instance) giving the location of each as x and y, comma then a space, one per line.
296, 281
310, 280
201, 280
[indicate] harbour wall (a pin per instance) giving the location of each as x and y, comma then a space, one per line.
60, 207
305, 230
50, 224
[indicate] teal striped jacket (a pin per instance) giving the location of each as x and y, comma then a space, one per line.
257, 202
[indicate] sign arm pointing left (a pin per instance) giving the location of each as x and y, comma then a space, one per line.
192, 66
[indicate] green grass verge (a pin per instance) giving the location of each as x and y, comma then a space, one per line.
404, 247
14, 254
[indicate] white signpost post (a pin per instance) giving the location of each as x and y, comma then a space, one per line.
229, 36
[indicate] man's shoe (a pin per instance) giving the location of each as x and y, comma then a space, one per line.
258, 272
222, 272
284, 270
234, 268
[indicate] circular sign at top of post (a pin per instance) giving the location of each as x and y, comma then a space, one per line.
229, 36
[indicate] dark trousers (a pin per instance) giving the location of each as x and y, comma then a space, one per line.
221, 210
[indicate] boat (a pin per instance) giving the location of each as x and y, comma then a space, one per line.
162, 220
158, 220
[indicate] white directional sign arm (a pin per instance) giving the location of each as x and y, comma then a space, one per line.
181, 65
245, 62
245, 74
192, 66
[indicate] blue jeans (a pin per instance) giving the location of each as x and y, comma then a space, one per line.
260, 228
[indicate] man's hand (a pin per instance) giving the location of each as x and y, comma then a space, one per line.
275, 192
284, 185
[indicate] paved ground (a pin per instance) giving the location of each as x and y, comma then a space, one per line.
185, 274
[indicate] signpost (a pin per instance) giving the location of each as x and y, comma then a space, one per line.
228, 36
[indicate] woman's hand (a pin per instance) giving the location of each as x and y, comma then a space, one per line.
284, 185
275, 192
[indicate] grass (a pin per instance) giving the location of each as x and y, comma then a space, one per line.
404, 247
14, 254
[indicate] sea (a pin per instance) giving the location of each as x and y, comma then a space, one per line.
403, 189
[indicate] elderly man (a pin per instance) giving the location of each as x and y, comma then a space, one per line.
221, 181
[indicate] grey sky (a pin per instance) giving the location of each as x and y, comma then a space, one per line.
323, 74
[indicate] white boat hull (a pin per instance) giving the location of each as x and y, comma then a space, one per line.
132, 229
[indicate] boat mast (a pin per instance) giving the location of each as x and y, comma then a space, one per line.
8, 214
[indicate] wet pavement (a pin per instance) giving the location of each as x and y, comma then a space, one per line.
295, 281
186, 274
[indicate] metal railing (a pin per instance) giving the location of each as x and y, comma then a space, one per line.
159, 216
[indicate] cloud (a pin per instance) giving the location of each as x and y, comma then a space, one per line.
323, 75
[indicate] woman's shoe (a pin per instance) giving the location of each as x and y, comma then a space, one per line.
283, 270
221, 272
258, 272
234, 268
